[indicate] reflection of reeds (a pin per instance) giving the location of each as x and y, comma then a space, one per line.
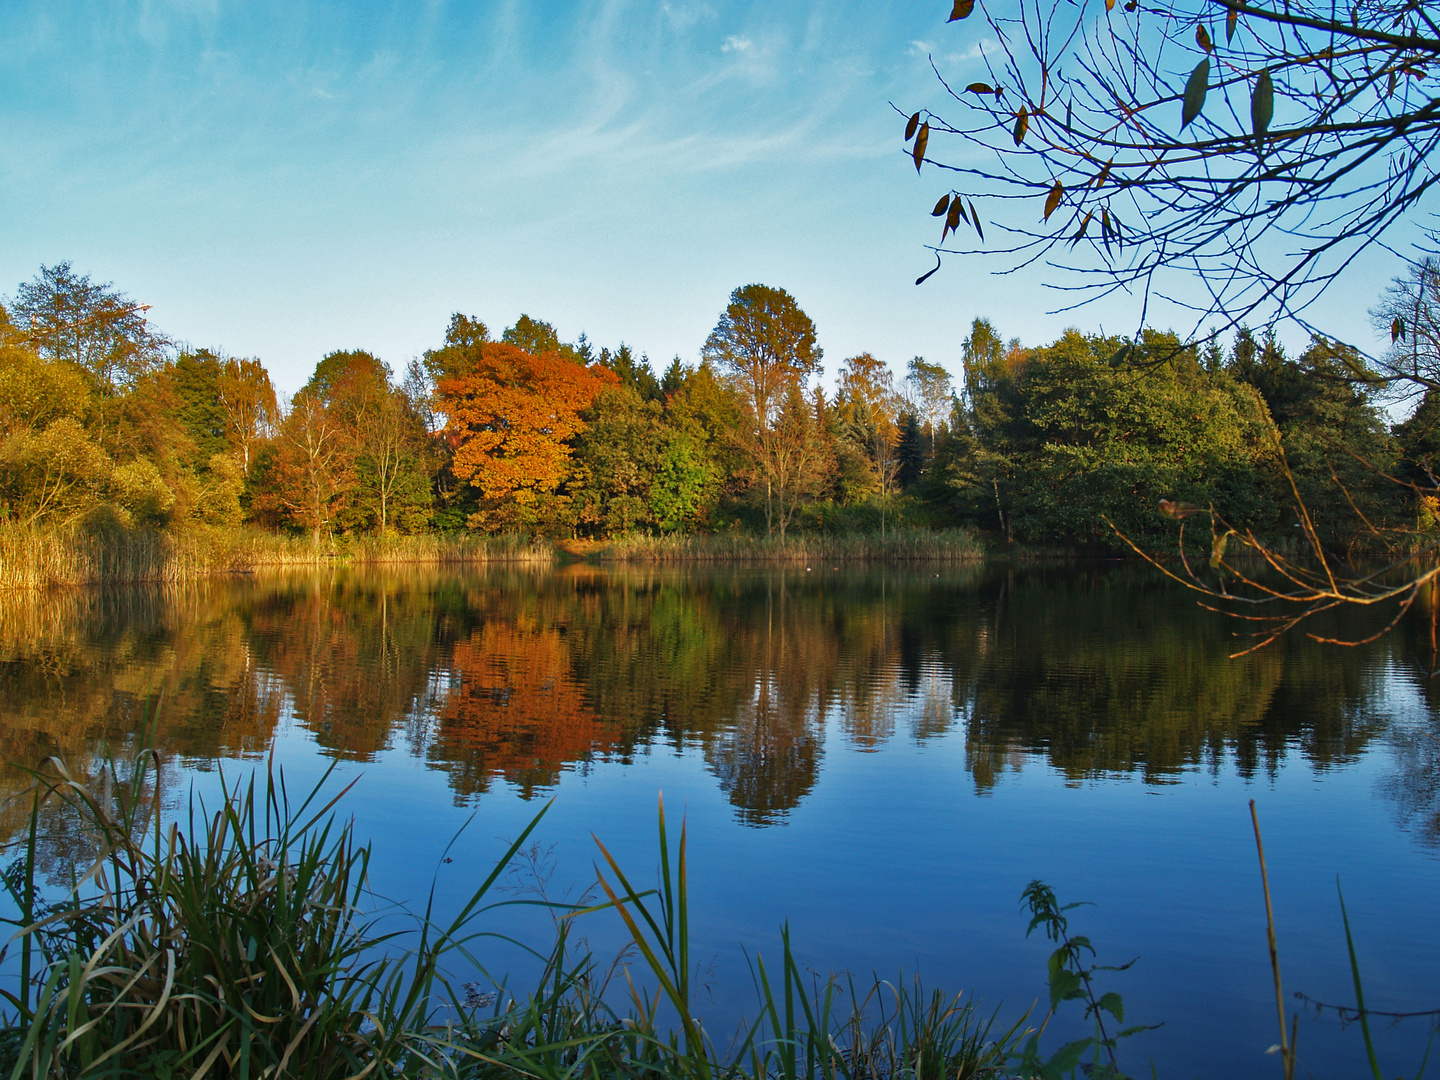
108, 553
902, 545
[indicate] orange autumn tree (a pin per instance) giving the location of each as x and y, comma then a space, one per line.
510, 420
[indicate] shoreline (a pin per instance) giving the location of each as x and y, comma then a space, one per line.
78, 556
81, 556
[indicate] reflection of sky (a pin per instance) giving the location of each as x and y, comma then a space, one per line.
894, 860
284, 179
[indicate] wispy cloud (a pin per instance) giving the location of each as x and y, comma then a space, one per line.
683, 16
735, 43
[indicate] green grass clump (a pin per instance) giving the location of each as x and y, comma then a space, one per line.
238, 946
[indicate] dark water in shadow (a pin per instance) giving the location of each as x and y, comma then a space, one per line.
882, 757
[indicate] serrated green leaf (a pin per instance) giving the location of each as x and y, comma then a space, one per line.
1112, 1004
1262, 103
1068, 1056
1195, 88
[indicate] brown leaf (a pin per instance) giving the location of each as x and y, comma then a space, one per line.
1083, 226
957, 212
910, 126
1172, 509
1053, 199
920, 140
961, 10
1104, 175
979, 88
975, 220
1217, 550
1202, 38
1022, 125
1231, 19
1109, 5
1397, 331
941, 206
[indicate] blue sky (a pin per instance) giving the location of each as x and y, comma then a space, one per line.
280, 179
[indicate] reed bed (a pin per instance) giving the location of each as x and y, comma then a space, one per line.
88, 554
902, 545
465, 548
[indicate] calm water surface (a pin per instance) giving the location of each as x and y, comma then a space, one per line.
884, 758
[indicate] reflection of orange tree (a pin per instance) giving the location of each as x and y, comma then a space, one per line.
517, 711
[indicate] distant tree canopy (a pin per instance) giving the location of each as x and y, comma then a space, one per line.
1052, 444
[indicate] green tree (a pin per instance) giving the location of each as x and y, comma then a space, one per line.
68, 317
465, 340
929, 391
1336, 443
617, 458
764, 344
909, 451
684, 483
535, 336
194, 381
53, 475
1065, 441
634, 373
34, 391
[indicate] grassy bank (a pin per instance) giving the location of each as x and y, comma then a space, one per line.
110, 554
901, 545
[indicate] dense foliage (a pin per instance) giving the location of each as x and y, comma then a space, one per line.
104, 418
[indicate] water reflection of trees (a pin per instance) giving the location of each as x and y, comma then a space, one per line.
521, 675
1109, 671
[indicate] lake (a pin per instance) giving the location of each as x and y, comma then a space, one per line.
882, 757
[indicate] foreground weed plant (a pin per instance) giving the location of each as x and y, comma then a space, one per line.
1072, 980
238, 946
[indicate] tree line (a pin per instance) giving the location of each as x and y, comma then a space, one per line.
103, 416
